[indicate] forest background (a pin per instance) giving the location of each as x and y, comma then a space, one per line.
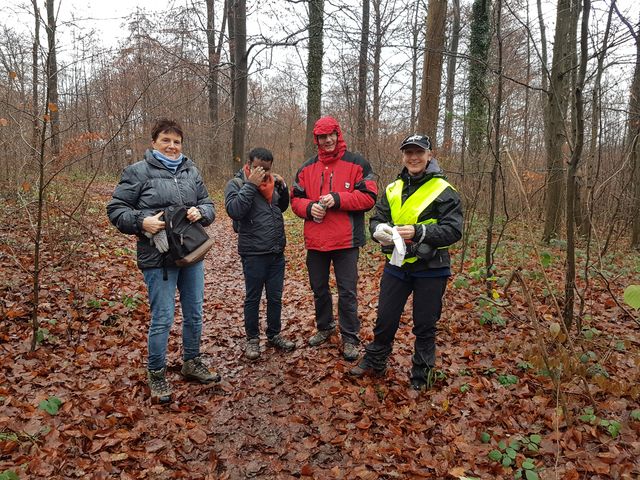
535, 116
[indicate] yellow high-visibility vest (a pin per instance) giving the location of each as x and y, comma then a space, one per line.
407, 213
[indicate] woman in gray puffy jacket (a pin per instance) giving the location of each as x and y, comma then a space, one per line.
165, 177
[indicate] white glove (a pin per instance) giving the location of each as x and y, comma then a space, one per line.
384, 234
160, 241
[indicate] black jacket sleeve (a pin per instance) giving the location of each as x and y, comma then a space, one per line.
448, 230
283, 200
238, 198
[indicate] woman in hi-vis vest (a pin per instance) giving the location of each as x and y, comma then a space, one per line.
415, 220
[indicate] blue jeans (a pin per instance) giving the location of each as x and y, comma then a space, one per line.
162, 298
260, 272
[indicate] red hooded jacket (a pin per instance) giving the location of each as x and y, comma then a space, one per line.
350, 180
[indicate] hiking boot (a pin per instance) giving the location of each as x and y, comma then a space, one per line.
363, 369
252, 349
281, 343
160, 388
321, 337
350, 351
194, 369
424, 381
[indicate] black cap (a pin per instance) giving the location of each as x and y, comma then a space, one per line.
418, 140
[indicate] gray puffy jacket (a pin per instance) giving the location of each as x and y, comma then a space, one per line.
147, 187
260, 225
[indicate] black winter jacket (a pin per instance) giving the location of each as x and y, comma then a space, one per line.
260, 225
447, 209
147, 187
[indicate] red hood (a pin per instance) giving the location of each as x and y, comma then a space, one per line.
326, 126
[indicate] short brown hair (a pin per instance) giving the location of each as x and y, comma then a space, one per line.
165, 125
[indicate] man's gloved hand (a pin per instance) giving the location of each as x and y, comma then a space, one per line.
160, 241
384, 234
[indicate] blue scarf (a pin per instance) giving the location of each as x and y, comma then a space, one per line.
171, 165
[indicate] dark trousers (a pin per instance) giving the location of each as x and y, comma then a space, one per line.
263, 272
427, 307
345, 267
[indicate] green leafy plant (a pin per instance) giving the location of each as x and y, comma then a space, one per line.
532, 442
611, 426
490, 314
528, 469
635, 415
8, 437
51, 405
506, 380
9, 475
632, 296
506, 454
546, 259
461, 282
131, 302
94, 303
465, 387
590, 332
524, 366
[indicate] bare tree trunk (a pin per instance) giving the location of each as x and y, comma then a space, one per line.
447, 141
543, 48
479, 51
52, 78
414, 61
240, 93
496, 163
570, 279
432, 68
231, 9
375, 72
554, 115
363, 67
633, 135
527, 102
584, 175
35, 134
314, 72
214, 50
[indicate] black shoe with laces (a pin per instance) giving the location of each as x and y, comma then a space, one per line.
281, 343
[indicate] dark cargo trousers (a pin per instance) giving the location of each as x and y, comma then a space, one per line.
427, 307
345, 266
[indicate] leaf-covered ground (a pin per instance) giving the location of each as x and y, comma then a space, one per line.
298, 415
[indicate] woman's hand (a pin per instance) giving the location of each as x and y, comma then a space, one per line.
153, 224
406, 231
194, 214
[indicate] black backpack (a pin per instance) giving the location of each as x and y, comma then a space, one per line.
188, 242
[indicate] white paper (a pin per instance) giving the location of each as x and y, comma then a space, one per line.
399, 250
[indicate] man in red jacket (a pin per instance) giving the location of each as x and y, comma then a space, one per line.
332, 190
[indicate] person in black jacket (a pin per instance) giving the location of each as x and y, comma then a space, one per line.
419, 216
165, 177
255, 199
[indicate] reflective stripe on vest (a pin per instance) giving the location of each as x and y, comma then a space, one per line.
407, 213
